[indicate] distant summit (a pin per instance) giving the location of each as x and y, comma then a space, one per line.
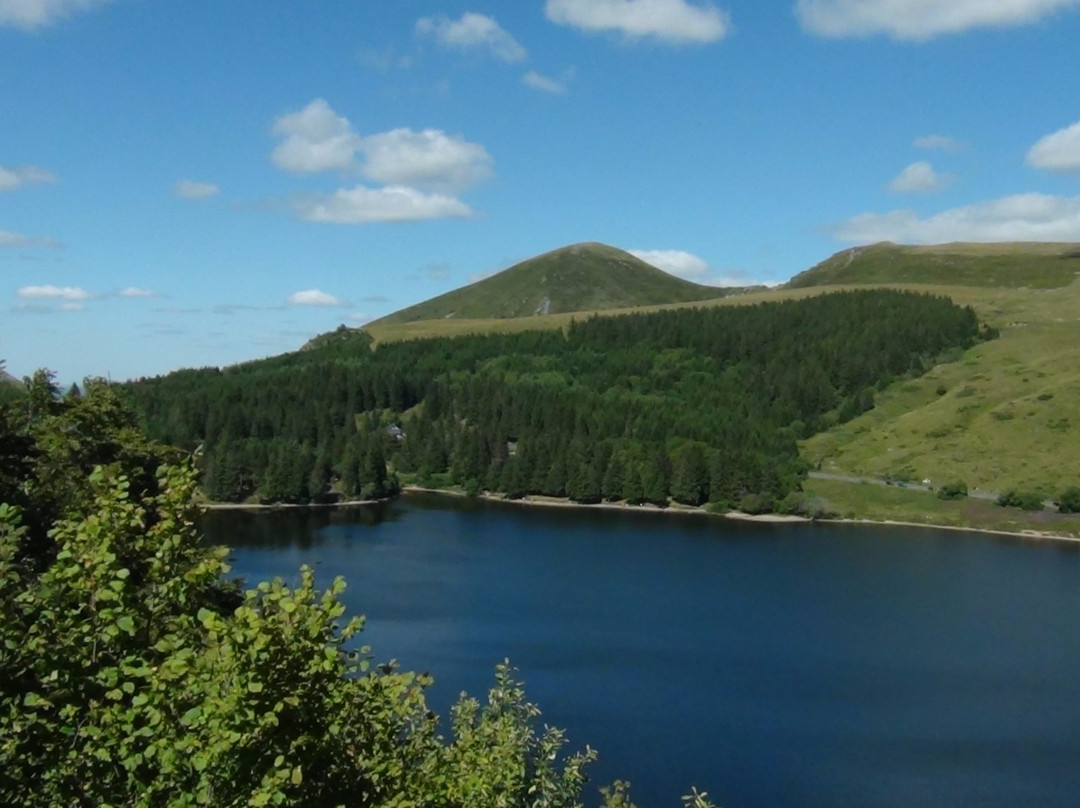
1038, 265
581, 277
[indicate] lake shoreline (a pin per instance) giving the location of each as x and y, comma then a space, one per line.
538, 501
765, 518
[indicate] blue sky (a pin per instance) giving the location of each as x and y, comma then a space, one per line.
188, 183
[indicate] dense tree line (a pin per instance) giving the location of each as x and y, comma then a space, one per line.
132, 674
692, 405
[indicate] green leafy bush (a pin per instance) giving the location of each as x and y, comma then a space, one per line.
1025, 500
955, 490
1069, 501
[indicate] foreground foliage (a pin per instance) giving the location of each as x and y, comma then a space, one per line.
131, 675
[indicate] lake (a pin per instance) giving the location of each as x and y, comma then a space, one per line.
789, 665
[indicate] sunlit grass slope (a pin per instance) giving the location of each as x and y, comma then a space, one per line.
576, 278
1012, 265
1004, 415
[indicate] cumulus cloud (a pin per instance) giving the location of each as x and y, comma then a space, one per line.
312, 297
1058, 151
12, 179
189, 189
316, 139
676, 262
50, 292
920, 178
394, 203
543, 83
672, 21
1022, 217
919, 20
473, 32
33, 14
428, 159
943, 143
9, 238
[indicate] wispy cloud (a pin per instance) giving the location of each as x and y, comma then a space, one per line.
943, 143
671, 21
395, 203
12, 179
50, 292
9, 238
545, 84
33, 14
190, 189
473, 32
919, 20
1022, 217
135, 291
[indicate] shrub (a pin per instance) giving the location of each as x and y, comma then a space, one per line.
1025, 500
755, 504
955, 490
1069, 501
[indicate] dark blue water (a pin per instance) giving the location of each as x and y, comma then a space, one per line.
770, 665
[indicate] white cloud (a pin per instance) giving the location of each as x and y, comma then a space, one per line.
676, 262
135, 291
394, 203
1058, 151
12, 179
312, 297
920, 178
32, 14
943, 143
673, 21
316, 139
428, 159
544, 83
919, 20
9, 238
72, 307
472, 32
359, 317
692, 268
50, 292
189, 189
1023, 217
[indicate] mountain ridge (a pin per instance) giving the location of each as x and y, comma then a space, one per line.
588, 276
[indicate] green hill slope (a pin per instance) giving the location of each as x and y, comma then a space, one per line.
1011, 265
581, 277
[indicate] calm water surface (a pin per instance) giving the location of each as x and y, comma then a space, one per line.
770, 665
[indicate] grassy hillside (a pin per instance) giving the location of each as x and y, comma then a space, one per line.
1004, 415
581, 277
1013, 265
